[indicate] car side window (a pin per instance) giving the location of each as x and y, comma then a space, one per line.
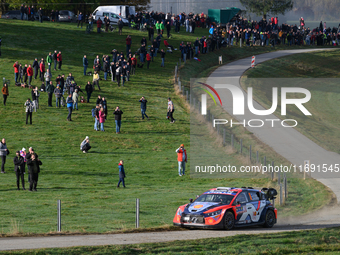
242, 198
105, 14
254, 196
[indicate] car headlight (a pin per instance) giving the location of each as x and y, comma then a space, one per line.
213, 213
179, 212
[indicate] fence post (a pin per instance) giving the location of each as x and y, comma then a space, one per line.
241, 145
241, 43
272, 170
250, 152
190, 99
218, 129
175, 74
179, 84
187, 94
137, 212
223, 136
199, 107
278, 176
194, 102
232, 140
212, 118
59, 216
285, 185
257, 156
264, 160
179, 61
183, 89
280, 193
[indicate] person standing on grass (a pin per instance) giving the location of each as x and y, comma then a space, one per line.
59, 60
69, 102
54, 57
163, 58
121, 173
182, 159
101, 115
29, 109
3, 154
143, 102
80, 20
19, 169
35, 67
85, 63
34, 169
89, 90
49, 60
120, 26
29, 74
118, 119
5, 93
49, 90
128, 44
16, 71
96, 117
35, 98
171, 110
104, 105
148, 59
75, 98
96, 80
57, 92
42, 69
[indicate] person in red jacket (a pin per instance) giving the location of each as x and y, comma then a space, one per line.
29, 74
133, 64
148, 59
59, 60
16, 71
182, 159
99, 25
42, 69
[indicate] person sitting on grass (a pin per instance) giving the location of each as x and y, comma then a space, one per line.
85, 145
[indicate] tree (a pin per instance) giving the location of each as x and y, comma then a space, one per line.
264, 7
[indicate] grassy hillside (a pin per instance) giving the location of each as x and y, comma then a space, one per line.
86, 183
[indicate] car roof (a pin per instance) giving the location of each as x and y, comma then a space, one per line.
229, 190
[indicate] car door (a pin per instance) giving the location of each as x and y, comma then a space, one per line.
257, 205
241, 208
114, 18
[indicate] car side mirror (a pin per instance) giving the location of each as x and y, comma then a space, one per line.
191, 200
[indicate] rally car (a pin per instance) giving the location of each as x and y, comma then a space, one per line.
226, 208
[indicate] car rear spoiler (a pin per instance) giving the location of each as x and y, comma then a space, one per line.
271, 193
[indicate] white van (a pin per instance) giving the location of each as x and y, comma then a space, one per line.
122, 10
112, 16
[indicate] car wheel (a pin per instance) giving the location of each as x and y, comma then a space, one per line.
229, 220
270, 219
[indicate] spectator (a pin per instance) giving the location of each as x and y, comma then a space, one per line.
101, 118
85, 63
118, 119
96, 117
162, 57
22, 12
40, 14
89, 90
75, 98
104, 105
29, 74
128, 44
143, 102
16, 71
48, 77
35, 98
24, 72
23, 154
3, 154
148, 59
58, 94
96, 80
49, 90
49, 60
42, 69
19, 169
182, 159
80, 20
29, 109
5, 93
85, 145
59, 60
120, 26
106, 68
121, 173
99, 25
118, 73
34, 168
69, 103
54, 57
171, 110
133, 64
35, 67
21, 74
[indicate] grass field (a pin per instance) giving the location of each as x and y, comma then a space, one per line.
323, 127
323, 241
86, 183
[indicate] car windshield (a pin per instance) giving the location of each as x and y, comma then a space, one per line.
218, 198
63, 13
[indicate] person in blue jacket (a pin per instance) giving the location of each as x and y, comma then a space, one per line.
121, 173
69, 102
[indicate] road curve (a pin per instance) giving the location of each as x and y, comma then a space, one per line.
287, 142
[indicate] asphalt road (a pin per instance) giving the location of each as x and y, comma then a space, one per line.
287, 142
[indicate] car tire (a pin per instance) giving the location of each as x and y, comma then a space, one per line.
269, 220
229, 220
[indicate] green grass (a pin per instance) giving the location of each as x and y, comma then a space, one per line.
86, 183
325, 241
323, 127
